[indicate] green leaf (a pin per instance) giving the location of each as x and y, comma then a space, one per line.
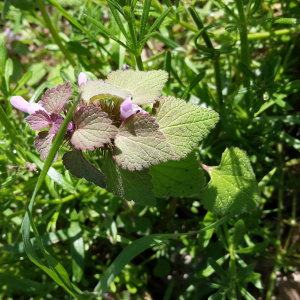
129, 185
193, 84
183, 124
183, 178
118, 19
295, 143
134, 249
139, 143
145, 87
77, 247
239, 231
9, 68
144, 18
22, 81
245, 293
53, 174
95, 89
217, 268
106, 31
93, 128
205, 236
253, 249
77, 164
266, 179
232, 188
3, 52
246, 71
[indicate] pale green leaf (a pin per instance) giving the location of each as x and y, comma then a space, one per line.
93, 128
183, 178
183, 124
139, 143
145, 87
232, 188
96, 89
129, 185
76, 163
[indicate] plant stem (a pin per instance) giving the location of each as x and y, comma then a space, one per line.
232, 268
208, 43
55, 35
280, 200
139, 62
245, 57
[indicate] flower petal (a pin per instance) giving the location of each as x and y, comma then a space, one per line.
82, 78
34, 107
127, 109
20, 103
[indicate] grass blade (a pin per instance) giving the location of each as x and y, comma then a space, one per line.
194, 82
144, 18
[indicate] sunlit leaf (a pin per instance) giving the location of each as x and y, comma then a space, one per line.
232, 188
139, 143
93, 88
145, 87
93, 128
183, 124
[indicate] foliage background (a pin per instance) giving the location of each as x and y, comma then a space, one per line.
84, 227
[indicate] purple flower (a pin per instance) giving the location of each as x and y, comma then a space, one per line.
128, 109
41, 118
21, 104
82, 78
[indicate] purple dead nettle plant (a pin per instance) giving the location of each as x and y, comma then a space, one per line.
109, 120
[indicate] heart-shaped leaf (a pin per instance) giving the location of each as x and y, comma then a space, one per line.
55, 99
129, 185
39, 120
183, 178
232, 188
183, 124
93, 88
139, 143
92, 128
145, 87
76, 163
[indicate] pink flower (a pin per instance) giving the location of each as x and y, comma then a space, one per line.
41, 118
21, 104
128, 109
82, 78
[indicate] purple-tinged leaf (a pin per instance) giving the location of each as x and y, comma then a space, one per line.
43, 143
39, 120
139, 143
57, 122
55, 99
92, 128
98, 89
129, 185
76, 163
145, 87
